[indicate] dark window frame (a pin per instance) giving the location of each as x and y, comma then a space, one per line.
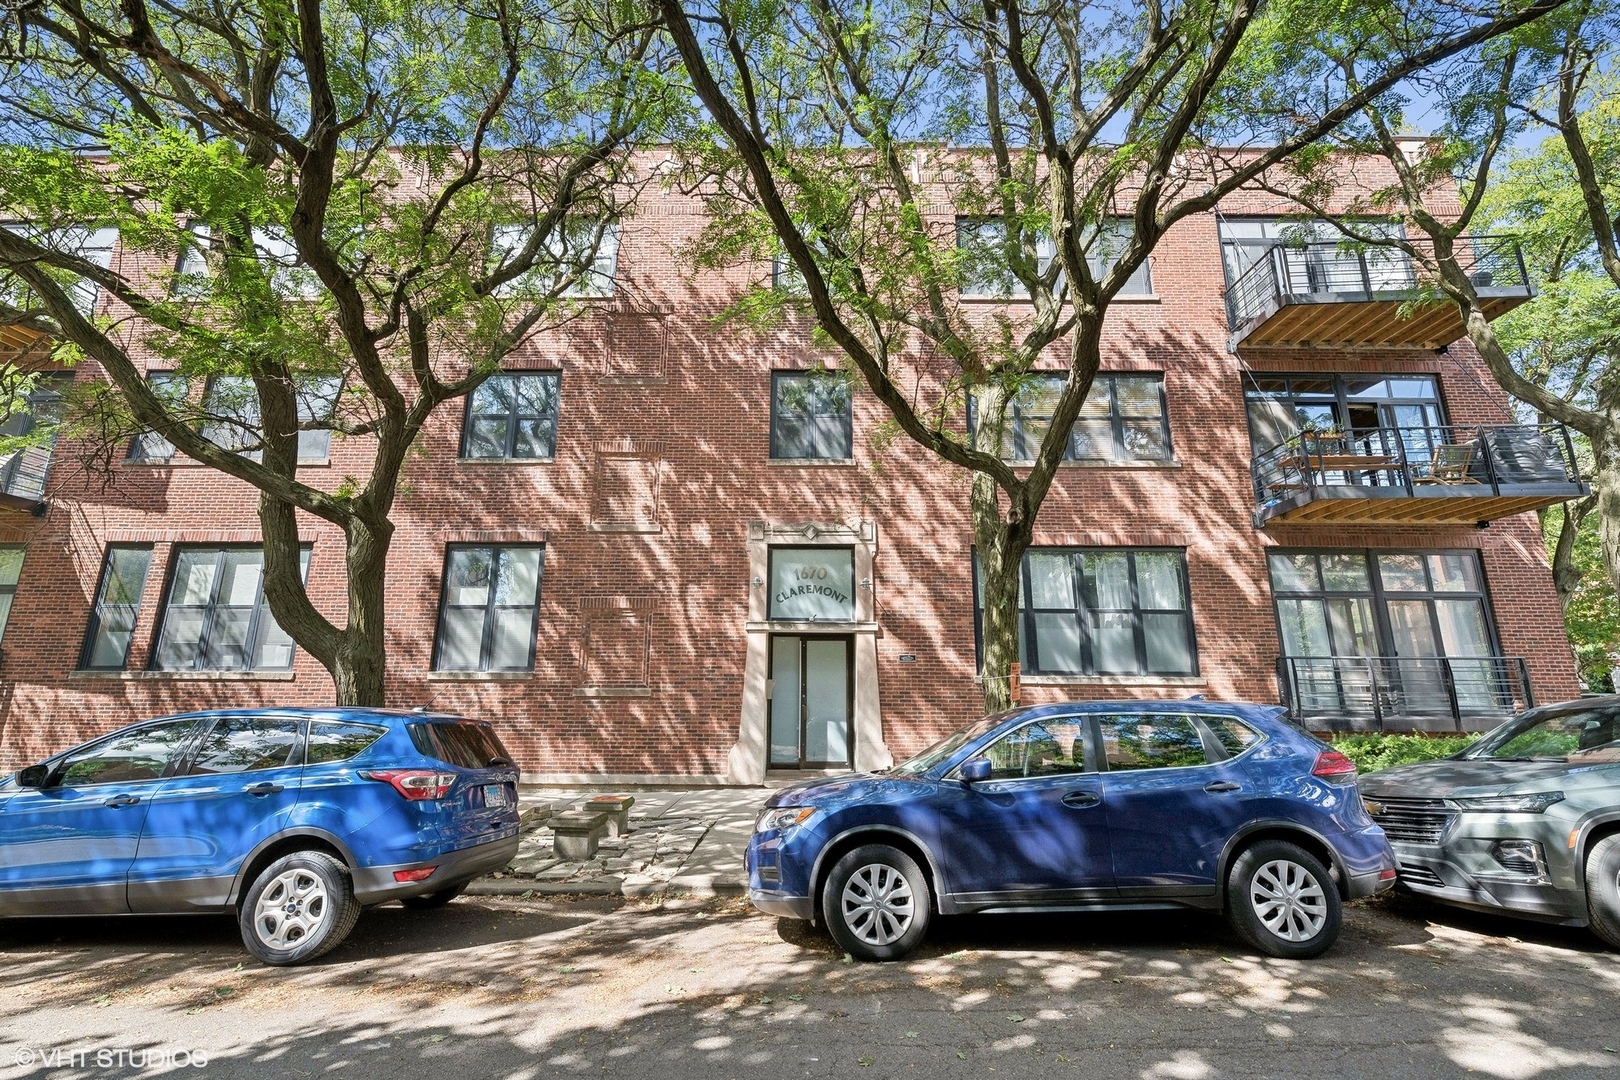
1377, 593
141, 447
9, 588
1024, 452
205, 730
1342, 399
778, 378
99, 605
487, 644
1026, 621
261, 607
513, 415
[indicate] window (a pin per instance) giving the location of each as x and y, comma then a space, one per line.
91, 244
1320, 258
191, 270
239, 744
142, 754
1360, 408
215, 617
24, 470
170, 388
118, 602
786, 278
986, 273
1123, 419
471, 746
512, 417
588, 252
1047, 748
1105, 611
812, 584
1150, 741
811, 416
1234, 736
489, 609
11, 560
330, 741
1106, 248
289, 277
232, 405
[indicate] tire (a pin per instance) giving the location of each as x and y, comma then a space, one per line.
319, 888
1603, 889
876, 903
1281, 899
429, 901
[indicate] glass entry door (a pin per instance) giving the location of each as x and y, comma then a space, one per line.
812, 683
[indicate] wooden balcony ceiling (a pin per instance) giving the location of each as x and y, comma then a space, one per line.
1436, 505
1360, 321
18, 343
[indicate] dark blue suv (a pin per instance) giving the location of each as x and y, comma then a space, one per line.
1078, 807
294, 818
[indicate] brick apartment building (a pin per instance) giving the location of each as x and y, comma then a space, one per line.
658, 548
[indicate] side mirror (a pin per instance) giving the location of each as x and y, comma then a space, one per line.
33, 777
974, 769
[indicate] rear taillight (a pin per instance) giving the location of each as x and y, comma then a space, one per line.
419, 874
416, 785
1334, 767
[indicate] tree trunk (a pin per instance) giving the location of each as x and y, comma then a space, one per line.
1606, 502
1566, 575
361, 661
1001, 545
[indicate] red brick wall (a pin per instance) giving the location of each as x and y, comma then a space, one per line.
674, 409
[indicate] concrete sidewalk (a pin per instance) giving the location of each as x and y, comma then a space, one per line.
682, 842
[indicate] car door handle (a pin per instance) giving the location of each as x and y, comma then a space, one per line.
1222, 785
122, 800
1079, 800
265, 788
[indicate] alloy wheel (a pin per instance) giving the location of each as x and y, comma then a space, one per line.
1288, 900
878, 906
291, 908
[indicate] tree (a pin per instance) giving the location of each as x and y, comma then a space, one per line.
1556, 353
1068, 136
328, 181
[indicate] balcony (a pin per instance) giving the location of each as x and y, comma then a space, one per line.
1398, 693
1328, 295
1415, 475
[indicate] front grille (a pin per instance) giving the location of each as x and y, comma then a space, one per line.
1420, 875
1415, 821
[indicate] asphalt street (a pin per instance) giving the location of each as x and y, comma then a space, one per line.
506, 987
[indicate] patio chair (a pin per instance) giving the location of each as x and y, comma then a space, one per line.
1451, 464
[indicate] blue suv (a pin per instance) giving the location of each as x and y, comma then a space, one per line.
1079, 807
293, 818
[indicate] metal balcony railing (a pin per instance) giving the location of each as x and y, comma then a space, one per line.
23, 472
1283, 270
1450, 460
1362, 692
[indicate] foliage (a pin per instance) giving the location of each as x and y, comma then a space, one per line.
1592, 616
1374, 752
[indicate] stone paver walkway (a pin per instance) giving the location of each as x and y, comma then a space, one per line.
681, 842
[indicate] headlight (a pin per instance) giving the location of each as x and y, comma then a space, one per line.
1509, 804
783, 817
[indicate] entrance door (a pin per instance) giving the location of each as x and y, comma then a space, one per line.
812, 683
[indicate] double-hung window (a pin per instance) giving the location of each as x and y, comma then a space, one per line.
171, 388
232, 405
986, 271
489, 608
118, 602
1123, 419
810, 416
1104, 251
585, 256
215, 617
11, 561
512, 417
1105, 611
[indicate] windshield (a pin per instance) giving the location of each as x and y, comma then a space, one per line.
947, 746
1589, 736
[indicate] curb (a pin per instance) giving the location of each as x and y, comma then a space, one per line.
520, 887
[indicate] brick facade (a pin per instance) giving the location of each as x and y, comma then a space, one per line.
662, 462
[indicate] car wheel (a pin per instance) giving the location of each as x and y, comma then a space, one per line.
1603, 889
1281, 899
432, 900
876, 903
299, 907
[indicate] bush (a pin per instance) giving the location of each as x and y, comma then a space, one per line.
1374, 752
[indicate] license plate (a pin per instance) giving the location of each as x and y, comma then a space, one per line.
495, 795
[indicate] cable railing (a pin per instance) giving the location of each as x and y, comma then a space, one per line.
1279, 270
1455, 459
1358, 691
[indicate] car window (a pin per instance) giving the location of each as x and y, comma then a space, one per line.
1588, 736
245, 743
471, 746
947, 746
1045, 748
330, 741
142, 754
1150, 741
1233, 735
